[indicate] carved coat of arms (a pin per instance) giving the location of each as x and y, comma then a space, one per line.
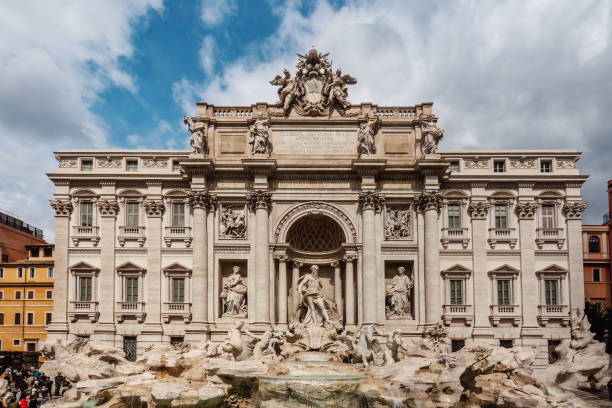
315, 89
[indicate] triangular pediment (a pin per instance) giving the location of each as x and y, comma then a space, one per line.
176, 267
457, 268
83, 266
505, 268
554, 268
128, 267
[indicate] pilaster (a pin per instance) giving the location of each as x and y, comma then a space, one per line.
478, 211
429, 203
154, 209
63, 210
282, 288
573, 220
260, 202
525, 213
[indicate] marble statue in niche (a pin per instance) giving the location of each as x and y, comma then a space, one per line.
314, 309
397, 224
398, 295
234, 295
232, 223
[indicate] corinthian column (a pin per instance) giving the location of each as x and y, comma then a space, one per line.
369, 202
349, 288
260, 201
573, 217
282, 287
154, 210
337, 285
525, 212
108, 213
479, 212
59, 324
200, 201
295, 276
430, 203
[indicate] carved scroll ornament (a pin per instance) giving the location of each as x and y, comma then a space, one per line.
525, 210
573, 210
478, 209
62, 208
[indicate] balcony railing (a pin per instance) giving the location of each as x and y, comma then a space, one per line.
507, 235
511, 312
85, 233
549, 232
176, 309
130, 309
131, 233
457, 312
560, 313
78, 308
455, 235
177, 234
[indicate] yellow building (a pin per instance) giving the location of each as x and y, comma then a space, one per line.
26, 299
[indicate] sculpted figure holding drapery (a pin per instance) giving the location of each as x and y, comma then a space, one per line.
314, 309
398, 295
234, 295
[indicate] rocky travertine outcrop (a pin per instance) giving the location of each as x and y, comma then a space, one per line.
418, 372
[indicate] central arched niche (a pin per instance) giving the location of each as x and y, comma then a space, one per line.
315, 233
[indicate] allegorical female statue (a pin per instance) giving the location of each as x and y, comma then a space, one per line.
398, 295
234, 295
314, 309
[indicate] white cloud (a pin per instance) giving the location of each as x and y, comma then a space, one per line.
55, 59
501, 74
214, 11
207, 54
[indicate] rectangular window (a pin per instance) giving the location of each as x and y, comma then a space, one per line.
505, 343
454, 166
503, 292
551, 291
48, 316
548, 216
19, 273
545, 166
457, 345
86, 214
49, 294
16, 342
131, 165
87, 165
1, 319
34, 252
30, 294
85, 289
129, 347
48, 252
32, 273
17, 319
131, 214
501, 216
596, 276
30, 319
178, 214
454, 216
176, 340
499, 166
456, 292
31, 347
1, 273
1, 294
50, 273
178, 290
176, 165
17, 294
131, 289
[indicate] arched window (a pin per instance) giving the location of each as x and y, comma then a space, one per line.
594, 244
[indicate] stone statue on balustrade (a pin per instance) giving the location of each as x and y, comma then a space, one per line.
399, 296
234, 295
365, 137
197, 135
259, 135
432, 134
233, 223
314, 309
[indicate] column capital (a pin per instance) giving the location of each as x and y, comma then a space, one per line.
573, 210
297, 264
259, 199
478, 210
154, 208
525, 210
371, 200
62, 208
429, 200
281, 258
201, 199
349, 258
334, 264
108, 208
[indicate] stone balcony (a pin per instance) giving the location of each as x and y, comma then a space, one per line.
549, 235
560, 313
131, 234
131, 309
502, 235
177, 234
505, 312
452, 313
455, 235
176, 310
89, 309
85, 233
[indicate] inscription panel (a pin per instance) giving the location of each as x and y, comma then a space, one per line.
315, 142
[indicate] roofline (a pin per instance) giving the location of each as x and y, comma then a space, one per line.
512, 151
100, 151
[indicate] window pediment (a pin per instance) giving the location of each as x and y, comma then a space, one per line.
552, 270
83, 268
457, 270
504, 270
176, 269
129, 267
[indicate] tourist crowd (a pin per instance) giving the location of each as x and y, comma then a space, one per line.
29, 388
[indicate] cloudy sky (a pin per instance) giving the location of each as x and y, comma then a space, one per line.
120, 74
